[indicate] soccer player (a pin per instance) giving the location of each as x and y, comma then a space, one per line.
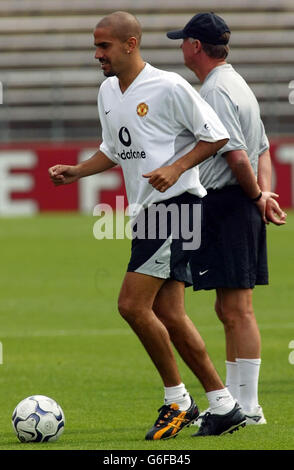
152, 119
232, 258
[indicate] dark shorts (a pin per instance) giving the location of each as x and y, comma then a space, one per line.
233, 251
164, 238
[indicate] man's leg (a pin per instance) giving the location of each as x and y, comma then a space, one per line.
235, 310
135, 303
224, 414
243, 347
170, 309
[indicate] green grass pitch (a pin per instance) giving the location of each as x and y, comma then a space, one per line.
63, 337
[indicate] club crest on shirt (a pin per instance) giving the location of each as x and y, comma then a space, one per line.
142, 109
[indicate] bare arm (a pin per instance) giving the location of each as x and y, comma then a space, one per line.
241, 168
240, 165
274, 213
164, 177
264, 174
66, 174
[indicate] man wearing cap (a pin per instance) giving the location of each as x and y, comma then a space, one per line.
232, 258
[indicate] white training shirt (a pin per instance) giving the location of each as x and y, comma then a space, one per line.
235, 104
158, 119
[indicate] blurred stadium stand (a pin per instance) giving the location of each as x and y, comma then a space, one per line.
50, 77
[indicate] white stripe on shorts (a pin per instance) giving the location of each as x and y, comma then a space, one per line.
159, 263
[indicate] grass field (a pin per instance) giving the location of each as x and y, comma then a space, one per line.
62, 337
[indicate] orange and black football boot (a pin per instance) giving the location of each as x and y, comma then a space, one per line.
171, 421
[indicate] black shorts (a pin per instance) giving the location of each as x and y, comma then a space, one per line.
163, 247
233, 251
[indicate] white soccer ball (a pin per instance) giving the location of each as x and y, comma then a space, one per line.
38, 419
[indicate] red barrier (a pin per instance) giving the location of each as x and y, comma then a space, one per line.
25, 187
282, 153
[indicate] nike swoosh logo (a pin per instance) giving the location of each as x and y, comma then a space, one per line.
158, 262
220, 398
203, 272
106, 112
255, 418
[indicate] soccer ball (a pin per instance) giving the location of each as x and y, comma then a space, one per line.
38, 419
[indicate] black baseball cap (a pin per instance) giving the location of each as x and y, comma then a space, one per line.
207, 27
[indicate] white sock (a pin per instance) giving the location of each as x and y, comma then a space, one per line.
248, 385
177, 394
232, 379
220, 401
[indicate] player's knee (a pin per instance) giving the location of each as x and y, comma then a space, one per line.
129, 310
167, 317
125, 308
219, 311
247, 316
231, 317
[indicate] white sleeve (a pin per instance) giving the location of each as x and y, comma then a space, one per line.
107, 141
193, 113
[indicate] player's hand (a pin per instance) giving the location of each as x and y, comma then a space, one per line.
162, 178
63, 174
261, 203
274, 213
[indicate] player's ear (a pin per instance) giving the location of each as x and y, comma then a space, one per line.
131, 44
197, 46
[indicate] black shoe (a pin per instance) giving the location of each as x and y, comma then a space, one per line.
171, 421
216, 425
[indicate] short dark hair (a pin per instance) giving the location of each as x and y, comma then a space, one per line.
123, 24
217, 51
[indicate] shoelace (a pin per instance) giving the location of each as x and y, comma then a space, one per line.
165, 413
205, 419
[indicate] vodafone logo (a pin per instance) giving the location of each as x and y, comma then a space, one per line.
125, 137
